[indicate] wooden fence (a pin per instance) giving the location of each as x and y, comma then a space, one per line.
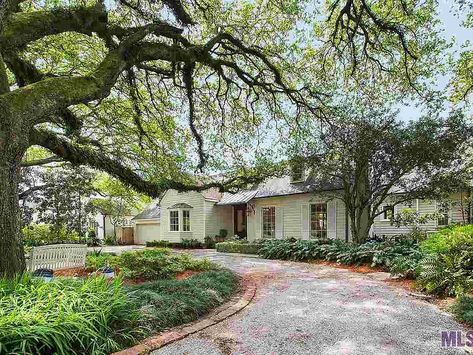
58, 256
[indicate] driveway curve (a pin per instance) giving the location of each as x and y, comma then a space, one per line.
316, 309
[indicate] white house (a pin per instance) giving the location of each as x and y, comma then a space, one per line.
278, 208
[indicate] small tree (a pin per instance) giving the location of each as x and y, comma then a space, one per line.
117, 200
373, 155
62, 199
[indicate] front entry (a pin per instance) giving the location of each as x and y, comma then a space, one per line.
239, 221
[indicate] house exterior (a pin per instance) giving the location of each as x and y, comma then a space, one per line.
279, 208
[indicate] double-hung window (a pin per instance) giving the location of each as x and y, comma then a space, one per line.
174, 221
318, 220
269, 222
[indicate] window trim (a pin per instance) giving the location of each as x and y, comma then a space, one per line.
445, 214
262, 222
178, 221
326, 220
190, 224
384, 209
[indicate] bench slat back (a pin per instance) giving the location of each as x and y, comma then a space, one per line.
58, 256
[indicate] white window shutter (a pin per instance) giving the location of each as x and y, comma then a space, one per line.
279, 223
332, 219
305, 221
259, 224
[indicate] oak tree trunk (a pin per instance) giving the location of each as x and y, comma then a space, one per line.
361, 224
12, 258
361, 220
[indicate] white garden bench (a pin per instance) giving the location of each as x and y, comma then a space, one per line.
57, 256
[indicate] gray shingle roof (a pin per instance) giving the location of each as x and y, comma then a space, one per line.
153, 212
279, 187
283, 186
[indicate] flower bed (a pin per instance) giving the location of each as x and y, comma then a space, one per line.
94, 315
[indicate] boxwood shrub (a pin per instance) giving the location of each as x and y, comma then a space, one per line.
238, 247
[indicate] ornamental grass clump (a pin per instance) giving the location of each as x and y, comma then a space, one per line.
167, 303
64, 316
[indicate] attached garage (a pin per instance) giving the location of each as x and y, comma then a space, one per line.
148, 225
147, 232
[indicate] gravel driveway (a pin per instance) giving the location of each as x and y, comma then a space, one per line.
315, 309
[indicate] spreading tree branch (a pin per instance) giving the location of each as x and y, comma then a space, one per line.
37, 162
77, 154
24, 194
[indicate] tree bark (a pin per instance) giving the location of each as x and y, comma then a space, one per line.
361, 220
361, 224
12, 257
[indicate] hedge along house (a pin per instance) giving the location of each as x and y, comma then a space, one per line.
290, 206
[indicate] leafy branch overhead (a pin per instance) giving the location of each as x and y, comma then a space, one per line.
155, 49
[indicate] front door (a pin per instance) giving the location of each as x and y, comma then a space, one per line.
239, 221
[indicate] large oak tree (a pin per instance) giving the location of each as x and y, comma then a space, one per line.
144, 51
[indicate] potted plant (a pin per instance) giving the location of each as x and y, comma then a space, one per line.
221, 236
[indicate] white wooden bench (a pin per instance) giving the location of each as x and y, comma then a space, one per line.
57, 256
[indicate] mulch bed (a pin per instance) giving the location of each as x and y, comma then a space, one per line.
363, 269
74, 272
407, 284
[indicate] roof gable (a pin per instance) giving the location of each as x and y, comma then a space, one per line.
152, 212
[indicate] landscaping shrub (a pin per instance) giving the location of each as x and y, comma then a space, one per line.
190, 244
398, 255
407, 266
447, 273
158, 243
44, 234
184, 244
167, 303
64, 316
209, 242
463, 309
110, 240
97, 260
238, 247
447, 267
150, 264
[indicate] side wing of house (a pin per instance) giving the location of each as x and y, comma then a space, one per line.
303, 216
452, 211
182, 216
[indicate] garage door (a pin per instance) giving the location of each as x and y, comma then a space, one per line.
147, 233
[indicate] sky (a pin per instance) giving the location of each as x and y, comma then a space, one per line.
451, 29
